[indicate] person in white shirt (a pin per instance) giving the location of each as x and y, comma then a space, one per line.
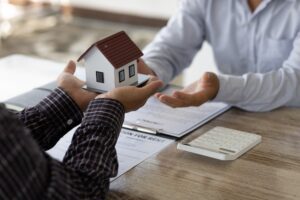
256, 45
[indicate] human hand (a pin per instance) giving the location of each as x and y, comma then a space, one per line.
143, 68
195, 94
133, 97
73, 86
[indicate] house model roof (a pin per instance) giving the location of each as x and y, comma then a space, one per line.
119, 49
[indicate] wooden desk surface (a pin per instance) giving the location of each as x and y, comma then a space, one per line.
269, 171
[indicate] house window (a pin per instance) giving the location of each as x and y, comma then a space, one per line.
121, 75
100, 77
131, 70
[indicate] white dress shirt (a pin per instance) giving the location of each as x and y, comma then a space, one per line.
257, 54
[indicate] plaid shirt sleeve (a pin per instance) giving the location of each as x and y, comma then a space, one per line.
28, 173
52, 118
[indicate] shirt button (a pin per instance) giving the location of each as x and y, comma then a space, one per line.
70, 121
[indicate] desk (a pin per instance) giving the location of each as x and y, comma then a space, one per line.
269, 171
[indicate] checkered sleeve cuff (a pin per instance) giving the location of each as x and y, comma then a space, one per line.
105, 111
61, 109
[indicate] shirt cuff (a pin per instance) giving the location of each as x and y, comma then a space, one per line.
109, 112
61, 109
231, 89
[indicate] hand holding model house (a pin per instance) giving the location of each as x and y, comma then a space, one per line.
111, 63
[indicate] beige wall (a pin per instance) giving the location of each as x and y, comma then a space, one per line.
149, 8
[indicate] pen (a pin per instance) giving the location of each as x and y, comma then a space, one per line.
140, 128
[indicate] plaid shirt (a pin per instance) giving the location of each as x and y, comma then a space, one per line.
27, 172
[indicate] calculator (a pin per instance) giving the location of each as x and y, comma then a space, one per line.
222, 143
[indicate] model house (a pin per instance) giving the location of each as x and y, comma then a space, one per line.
111, 63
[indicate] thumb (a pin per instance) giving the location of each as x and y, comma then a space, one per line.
207, 79
152, 79
151, 87
207, 76
71, 67
210, 85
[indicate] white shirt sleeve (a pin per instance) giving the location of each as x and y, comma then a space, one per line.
263, 92
175, 46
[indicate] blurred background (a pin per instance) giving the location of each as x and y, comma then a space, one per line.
60, 30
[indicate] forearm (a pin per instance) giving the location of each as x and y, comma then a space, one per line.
84, 174
176, 44
92, 150
261, 92
53, 117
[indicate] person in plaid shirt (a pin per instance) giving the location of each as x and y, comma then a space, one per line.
27, 172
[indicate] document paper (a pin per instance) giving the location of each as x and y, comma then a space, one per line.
172, 121
132, 148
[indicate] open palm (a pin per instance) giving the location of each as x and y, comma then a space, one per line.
195, 94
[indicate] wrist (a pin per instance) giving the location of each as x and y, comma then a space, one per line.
210, 82
76, 96
216, 88
59, 103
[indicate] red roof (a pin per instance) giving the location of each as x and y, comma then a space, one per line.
119, 49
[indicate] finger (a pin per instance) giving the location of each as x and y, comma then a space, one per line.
143, 68
71, 67
152, 78
151, 88
190, 88
181, 95
194, 99
188, 99
171, 101
181, 99
158, 94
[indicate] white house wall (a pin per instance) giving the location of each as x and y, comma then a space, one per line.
95, 61
128, 80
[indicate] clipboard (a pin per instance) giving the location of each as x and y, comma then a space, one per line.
159, 119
